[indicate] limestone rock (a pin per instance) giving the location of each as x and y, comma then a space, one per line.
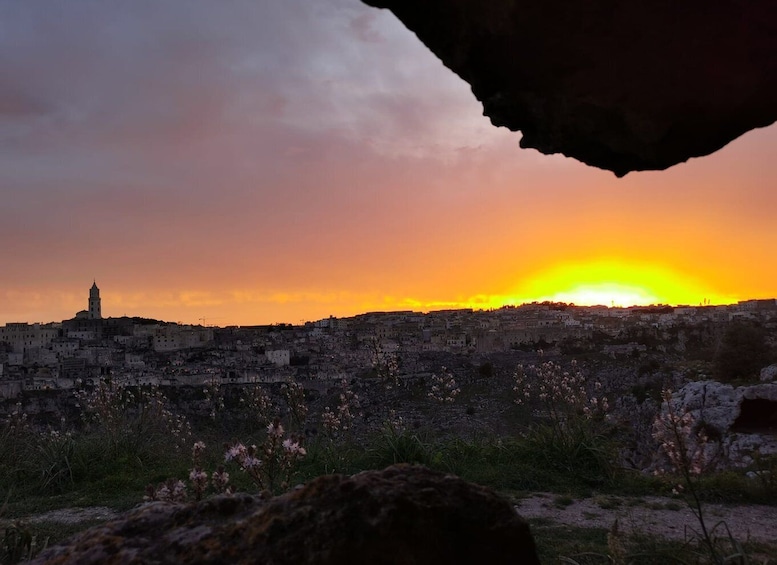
741, 449
401, 515
766, 391
768, 374
716, 404
623, 86
744, 420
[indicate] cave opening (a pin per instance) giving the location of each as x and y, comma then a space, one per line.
757, 415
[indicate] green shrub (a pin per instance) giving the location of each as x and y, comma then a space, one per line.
53, 460
393, 446
16, 543
580, 450
742, 352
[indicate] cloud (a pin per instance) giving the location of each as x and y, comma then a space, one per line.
181, 96
161, 119
16, 103
314, 151
363, 27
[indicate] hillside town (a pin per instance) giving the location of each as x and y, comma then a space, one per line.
88, 347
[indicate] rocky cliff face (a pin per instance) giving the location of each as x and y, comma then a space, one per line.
623, 86
739, 422
401, 515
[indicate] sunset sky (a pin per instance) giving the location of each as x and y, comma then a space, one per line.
253, 162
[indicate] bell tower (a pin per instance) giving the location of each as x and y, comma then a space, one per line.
95, 310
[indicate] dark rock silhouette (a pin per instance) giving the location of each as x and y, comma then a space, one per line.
401, 515
623, 86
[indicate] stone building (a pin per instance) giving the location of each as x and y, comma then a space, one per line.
95, 308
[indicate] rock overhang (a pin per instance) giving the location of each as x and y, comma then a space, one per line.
622, 86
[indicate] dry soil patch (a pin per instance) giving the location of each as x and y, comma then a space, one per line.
663, 517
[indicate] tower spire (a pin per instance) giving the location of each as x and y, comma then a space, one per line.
95, 307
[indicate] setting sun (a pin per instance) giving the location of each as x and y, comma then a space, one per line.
606, 293
614, 282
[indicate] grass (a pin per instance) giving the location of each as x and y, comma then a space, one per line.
671, 505
88, 470
38, 536
507, 466
554, 540
512, 466
563, 501
608, 502
589, 546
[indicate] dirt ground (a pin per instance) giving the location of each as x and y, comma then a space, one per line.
659, 516
663, 517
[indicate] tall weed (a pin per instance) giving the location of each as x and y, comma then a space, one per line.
392, 445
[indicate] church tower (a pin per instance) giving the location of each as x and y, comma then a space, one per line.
95, 311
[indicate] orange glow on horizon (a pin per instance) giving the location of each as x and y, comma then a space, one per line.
608, 282
615, 282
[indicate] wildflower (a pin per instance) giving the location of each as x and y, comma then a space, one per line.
386, 365
257, 404
294, 448
198, 448
220, 479
275, 428
250, 462
563, 393
295, 398
179, 492
395, 423
330, 421
682, 440
235, 452
199, 481
171, 491
678, 490
444, 388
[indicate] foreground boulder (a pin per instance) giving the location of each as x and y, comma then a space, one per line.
401, 515
620, 85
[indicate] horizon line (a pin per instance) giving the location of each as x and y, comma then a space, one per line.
425, 312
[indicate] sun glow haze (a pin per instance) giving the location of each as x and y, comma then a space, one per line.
617, 283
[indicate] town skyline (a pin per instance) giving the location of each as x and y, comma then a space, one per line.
93, 311
274, 162
142, 350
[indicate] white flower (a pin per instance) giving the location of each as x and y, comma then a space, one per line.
294, 448
275, 429
237, 452
250, 462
